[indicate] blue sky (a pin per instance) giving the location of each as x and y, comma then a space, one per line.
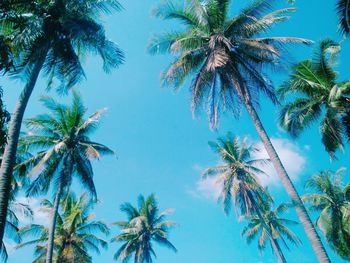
162, 150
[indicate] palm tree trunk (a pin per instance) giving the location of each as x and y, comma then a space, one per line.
278, 251
51, 238
9, 157
309, 228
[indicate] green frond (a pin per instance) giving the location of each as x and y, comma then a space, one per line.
343, 9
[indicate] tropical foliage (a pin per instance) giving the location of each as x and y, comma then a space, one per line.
65, 150
343, 8
77, 233
145, 225
17, 211
316, 95
332, 201
6, 62
50, 36
4, 119
224, 56
238, 175
271, 222
227, 59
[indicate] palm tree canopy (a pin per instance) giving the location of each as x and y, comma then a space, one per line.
144, 226
75, 233
238, 175
60, 30
224, 55
278, 227
6, 62
4, 120
343, 8
61, 139
317, 95
331, 200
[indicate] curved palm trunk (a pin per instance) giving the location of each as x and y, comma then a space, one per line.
288, 185
9, 157
51, 238
278, 251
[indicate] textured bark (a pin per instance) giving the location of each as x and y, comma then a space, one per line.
51, 238
278, 251
9, 157
304, 218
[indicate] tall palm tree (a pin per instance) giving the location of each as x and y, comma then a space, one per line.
332, 201
238, 175
270, 222
226, 57
75, 233
50, 36
144, 225
238, 178
316, 95
65, 150
343, 8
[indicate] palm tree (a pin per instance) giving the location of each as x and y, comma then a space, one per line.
238, 178
74, 233
226, 57
332, 201
50, 36
270, 222
238, 175
343, 8
316, 95
65, 151
144, 225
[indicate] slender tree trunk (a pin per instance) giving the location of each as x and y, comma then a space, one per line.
288, 185
51, 238
278, 251
9, 157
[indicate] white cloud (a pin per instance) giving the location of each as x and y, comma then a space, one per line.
206, 188
291, 157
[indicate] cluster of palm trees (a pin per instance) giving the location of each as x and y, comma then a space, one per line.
227, 60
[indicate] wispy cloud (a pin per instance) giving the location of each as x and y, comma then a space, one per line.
40, 216
206, 188
292, 158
